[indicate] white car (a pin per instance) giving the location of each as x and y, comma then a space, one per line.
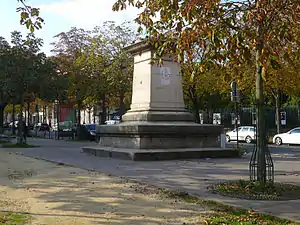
290, 137
245, 133
111, 122
11, 124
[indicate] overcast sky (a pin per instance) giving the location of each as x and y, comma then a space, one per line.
61, 15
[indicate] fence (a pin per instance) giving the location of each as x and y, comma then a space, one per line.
247, 116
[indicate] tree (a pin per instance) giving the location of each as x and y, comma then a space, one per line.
204, 89
292, 72
30, 17
4, 59
23, 72
236, 28
111, 39
72, 54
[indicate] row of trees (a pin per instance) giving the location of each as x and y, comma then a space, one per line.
90, 68
87, 68
215, 53
22, 68
99, 70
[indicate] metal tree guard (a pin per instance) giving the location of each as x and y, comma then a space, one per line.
253, 165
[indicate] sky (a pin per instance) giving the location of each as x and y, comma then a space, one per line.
60, 16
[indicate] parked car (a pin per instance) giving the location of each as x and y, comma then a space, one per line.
5, 125
91, 128
42, 127
245, 133
111, 122
290, 137
11, 124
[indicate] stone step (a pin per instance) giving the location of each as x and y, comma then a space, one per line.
160, 154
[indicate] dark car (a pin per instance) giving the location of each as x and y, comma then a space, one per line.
6, 125
42, 127
91, 128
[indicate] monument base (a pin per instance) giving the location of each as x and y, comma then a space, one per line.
160, 154
138, 140
158, 116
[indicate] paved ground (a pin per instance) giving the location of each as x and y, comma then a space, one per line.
282, 149
192, 176
53, 194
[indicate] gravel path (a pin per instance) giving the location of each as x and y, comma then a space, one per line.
55, 194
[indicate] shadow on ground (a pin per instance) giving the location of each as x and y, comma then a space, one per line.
55, 194
191, 176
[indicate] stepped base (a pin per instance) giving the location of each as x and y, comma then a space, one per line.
147, 141
160, 154
159, 135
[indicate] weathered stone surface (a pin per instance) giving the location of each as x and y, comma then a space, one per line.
160, 154
162, 135
146, 115
156, 89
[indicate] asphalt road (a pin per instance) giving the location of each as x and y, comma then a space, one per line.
282, 149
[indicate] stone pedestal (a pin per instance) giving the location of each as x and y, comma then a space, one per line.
157, 91
158, 123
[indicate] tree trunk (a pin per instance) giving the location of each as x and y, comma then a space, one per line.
57, 118
89, 113
13, 119
20, 125
38, 113
196, 111
194, 98
84, 116
28, 113
103, 117
43, 114
2, 107
79, 113
210, 115
122, 105
261, 132
277, 111
25, 116
94, 116
298, 106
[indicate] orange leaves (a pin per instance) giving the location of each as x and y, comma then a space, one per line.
226, 33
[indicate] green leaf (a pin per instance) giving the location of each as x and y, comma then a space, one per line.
31, 28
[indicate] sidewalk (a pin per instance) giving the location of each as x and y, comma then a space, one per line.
191, 176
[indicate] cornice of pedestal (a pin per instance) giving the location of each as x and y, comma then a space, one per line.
138, 47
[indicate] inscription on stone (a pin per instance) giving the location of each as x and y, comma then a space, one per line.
165, 75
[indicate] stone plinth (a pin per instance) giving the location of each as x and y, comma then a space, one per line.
156, 90
160, 154
158, 126
159, 135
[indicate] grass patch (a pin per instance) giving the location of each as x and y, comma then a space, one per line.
216, 213
242, 150
245, 218
225, 214
255, 191
10, 218
19, 146
3, 142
